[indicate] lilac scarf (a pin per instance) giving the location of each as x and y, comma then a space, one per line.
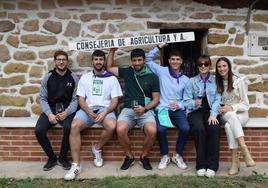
205, 81
103, 75
175, 75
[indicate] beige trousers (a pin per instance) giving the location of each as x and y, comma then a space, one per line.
233, 127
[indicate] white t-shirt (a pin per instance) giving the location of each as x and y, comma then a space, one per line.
98, 91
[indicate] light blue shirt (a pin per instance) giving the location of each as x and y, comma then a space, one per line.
191, 91
169, 87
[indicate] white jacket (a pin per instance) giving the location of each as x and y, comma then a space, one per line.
237, 98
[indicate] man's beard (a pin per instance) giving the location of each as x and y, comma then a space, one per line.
61, 69
138, 67
99, 69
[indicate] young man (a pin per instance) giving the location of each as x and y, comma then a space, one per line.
58, 102
171, 106
98, 92
141, 95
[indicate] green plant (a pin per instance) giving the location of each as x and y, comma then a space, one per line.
6, 181
255, 176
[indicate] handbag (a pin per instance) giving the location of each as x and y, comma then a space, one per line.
163, 118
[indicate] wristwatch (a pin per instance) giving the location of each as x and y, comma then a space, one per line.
145, 110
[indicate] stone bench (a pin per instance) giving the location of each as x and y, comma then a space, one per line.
18, 142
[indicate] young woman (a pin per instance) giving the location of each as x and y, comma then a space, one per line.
234, 109
202, 100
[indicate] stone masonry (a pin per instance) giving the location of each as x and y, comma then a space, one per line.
30, 32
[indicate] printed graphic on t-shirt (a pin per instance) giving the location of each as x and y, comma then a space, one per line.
97, 87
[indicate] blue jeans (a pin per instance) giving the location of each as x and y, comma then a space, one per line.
179, 120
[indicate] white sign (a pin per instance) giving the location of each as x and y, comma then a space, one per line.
132, 41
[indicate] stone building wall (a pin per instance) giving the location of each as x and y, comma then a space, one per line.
30, 32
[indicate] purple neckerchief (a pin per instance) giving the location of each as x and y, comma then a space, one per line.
205, 81
103, 75
175, 75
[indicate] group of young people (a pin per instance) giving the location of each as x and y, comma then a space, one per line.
155, 98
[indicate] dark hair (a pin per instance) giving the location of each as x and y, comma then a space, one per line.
175, 52
60, 52
138, 52
205, 58
98, 53
219, 79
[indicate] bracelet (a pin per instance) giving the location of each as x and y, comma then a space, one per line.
158, 47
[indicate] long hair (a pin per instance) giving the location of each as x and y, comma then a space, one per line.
219, 79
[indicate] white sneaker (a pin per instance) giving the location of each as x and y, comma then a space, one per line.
178, 160
210, 173
73, 172
201, 172
165, 160
98, 161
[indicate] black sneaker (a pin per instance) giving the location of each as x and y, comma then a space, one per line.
127, 163
146, 163
50, 164
66, 165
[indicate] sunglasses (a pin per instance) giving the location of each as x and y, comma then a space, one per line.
201, 64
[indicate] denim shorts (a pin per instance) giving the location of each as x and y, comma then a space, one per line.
132, 119
81, 114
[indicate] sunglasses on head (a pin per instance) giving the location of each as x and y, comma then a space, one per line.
201, 64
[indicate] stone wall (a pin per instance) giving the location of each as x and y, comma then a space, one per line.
30, 32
